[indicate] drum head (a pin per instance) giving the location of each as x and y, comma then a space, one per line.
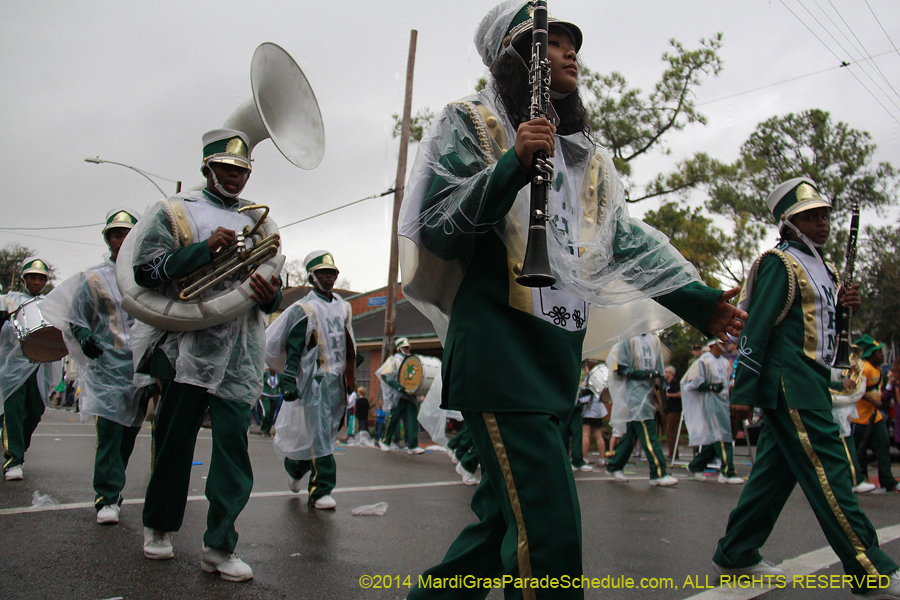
44, 345
411, 373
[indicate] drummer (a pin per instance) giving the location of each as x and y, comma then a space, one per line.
88, 309
25, 386
312, 343
404, 405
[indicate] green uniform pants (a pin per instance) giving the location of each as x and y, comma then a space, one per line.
802, 446
230, 479
22, 412
645, 431
878, 441
269, 405
856, 471
463, 447
322, 475
724, 451
115, 443
408, 411
575, 427
529, 521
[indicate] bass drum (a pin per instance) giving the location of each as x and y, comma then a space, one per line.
417, 373
597, 379
40, 341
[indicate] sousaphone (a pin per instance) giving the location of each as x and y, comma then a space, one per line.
283, 108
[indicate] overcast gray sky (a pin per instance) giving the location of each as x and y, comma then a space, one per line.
139, 83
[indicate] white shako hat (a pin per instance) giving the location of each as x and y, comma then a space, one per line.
506, 23
319, 259
35, 265
228, 146
795, 196
120, 218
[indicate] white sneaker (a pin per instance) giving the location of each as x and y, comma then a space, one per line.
325, 503
574, 468
453, 458
863, 487
700, 477
295, 485
16, 473
763, 567
393, 447
467, 477
619, 475
732, 480
892, 591
416, 450
226, 564
384, 447
108, 514
585, 467
157, 544
666, 481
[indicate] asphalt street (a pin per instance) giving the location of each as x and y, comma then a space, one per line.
631, 531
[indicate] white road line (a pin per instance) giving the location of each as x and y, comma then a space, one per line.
802, 565
371, 488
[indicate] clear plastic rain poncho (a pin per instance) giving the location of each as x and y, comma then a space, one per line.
633, 399
92, 300
228, 359
15, 367
434, 418
707, 414
390, 371
597, 252
307, 428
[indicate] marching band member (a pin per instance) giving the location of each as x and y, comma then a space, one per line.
268, 402
311, 342
784, 367
87, 308
219, 368
635, 370
463, 223
707, 413
25, 386
845, 393
869, 428
405, 406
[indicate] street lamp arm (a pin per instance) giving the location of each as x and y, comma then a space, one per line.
97, 160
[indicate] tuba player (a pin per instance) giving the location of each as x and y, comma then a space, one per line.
219, 369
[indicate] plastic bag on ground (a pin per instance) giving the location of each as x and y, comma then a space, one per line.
39, 500
370, 510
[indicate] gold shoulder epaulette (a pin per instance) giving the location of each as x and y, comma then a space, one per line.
792, 279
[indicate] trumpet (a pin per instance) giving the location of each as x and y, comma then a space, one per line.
236, 262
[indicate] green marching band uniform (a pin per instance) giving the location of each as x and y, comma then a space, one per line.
271, 396
784, 368
25, 386
312, 344
635, 368
219, 369
87, 308
400, 405
707, 413
462, 239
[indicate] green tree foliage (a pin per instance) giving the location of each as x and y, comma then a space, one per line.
878, 270
838, 158
630, 124
693, 235
418, 124
11, 258
679, 339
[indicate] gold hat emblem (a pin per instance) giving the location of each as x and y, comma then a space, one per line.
236, 146
807, 192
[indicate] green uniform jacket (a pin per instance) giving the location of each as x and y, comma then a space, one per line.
779, 352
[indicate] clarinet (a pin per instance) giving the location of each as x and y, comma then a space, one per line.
536, 265
842, 354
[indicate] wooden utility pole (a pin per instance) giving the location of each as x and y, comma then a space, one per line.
399, 186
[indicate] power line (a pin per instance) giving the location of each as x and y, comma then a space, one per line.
50, 228
877, 20
42, 237
843, 62
845, 51
841, 66
865, 51
390, 191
